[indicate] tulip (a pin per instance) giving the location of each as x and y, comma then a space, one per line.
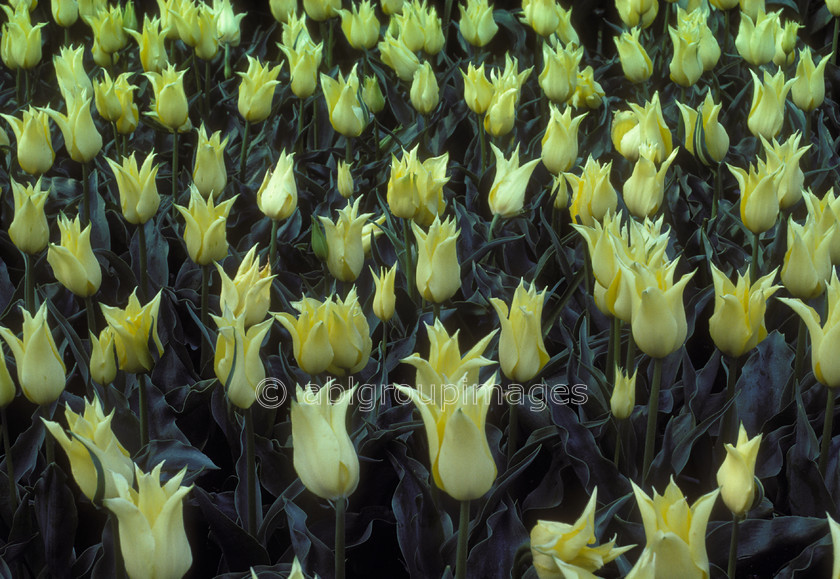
424, 90
635, 62
349, 335
227, 23
64, 12
166, 8
344, 180
736, 476
129, 113
807, 262
152, 536
344, 239
759, 197
507, 194
397, 56
170, 106
360, 27
623, 398
632, 129
707, 140
323, 454
784, 160
390, 7
384, 298
103, 365
592, 193
35, 152
209, 173
205, 233
139, 198
438, 272
248, 293
640, 13
73, 262
310, 335
82, 140
237, 361
833, 9
645, 567
415, 188
108, 30
105, 97
256, 91
560, 192
825, 213
588, 93
561, 550
541, 15
833, 527
347, 115
565, 31
277, 195
132, 327
150, 41
507, 86
282, 9
686, 66
40, 369
7, 386
295, 32
560, 142
28, 230
521, 349
320, 10
644, 191
70, 72
767, 113
304, 61
478, 91
477, 25
808, 90
92, 434
558, 78
737, 324
755, 41
372, 95
785, 42
21, 42
675, 532
371, 231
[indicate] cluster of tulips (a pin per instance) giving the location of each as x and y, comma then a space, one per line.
411, 225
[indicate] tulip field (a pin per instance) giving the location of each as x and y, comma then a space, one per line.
393, 288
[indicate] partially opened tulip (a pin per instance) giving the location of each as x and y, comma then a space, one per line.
397, 56
640, 13
756, 37
635, 62
825, 213
133, 327
248, 293
588, 93
522, 352
304, 60
478, 90
40, 370
686, 66
736, 476
205, 232
558, 78
347, 115
767, 112
360, 27
153, 539
784, 159
282, 9
438, 271
91, 433
256, 91
209, 172
310, 335
807, 262
541, 15
349, 335
642, 124
28, 230
277, 195
35, 152
592, 193
424, 93
170, 106
477, 25
344, 239
759, 197
808, 90
320, 10
644, 191
560, 142
73, 262
70, 72
372, 94
139, 198
415, 188
103, 361
623, 398
227, 23
81, 138
507, 194
707, 139
237, 361
20, 40
150, 41
384, 298
344, 180
64, 12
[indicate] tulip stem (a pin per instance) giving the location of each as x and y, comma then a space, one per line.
801, 338
252, 474
754, 263
49, 451
463, 541
348, 150
174, 172
144, 411
730, 418
144, 274
244, 152
492, 227
630, 360
29, 284
725, 32
205, 290
207, 85
85, 194
653, 410
610, 369
91, 315
619, 430
825, 443
733, 547
409, 262
482, 140
834, 41
340, 511
718, 185
513, 429
272, 246
10, 467
116, 141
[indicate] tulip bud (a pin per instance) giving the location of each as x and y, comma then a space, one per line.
310, 335
320, 10
133, 327
248, 294
209, 173
170, 106
347, 115
507, 194
390, 7
205, 230
277, 195
478, 91
623, 398
73, 262
808, 90
438, 272
92, 434
227, 23
344, 179
384, 299
108, 30
477, 25
736, 476
150, 41
686, 66
28, 230
706, 140
304, 61
349, 335
372, 95
70, 72
644, 191
82, 140
35, 152
424, 90
560, 143
397, 56
759, 197
522, 352
825, 213
784, 160
541, 15
767, 113
237, 360
755, 41
64, 12
345, 255
105, 97
139, 198
635, 62
560, 192
129, 113
283, 9
640, 13
593, 196
256, 91
21, 42
807, 262
415, 188
324, 456
360, 27
558, 78
785, 42
103, 365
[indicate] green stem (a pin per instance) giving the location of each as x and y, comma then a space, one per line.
174, 172
18, 75
49, 451
733, 545
340, 511
731, 417
754, 271
618, 434
205, 290
85, 194
463, 541
144, 411
409, 261
116, 141
228, 70
348, 150
207, 87
144, 274
10, 466
482, 140
513, 429
834, 41
801, 338
492, 227
252, 472
272, 251
91, 315
653, 410
299, 142
29, 283
825, 443
243, 154
66, 36
630, 360
726, 33
610, 369
718, 186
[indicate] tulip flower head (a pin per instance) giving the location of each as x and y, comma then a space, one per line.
507, 194
623, 398
344, 239
372, 94
70, 72
20, 45
560, 142
304, 60
209, 172
360, 27
170, 105
103, 364
205, 233
756, 37
310, 335
347, 115
282, 10
28, 230
785, 37
237, 361
248, 293
825, 213
639, 126
227, 23
438, 271
736, 476
277, 195
707, 139
150, 41
808, 90
35, 152
478, 91
425, 93
759, 197
541, 15
767, 112
384, 298
644, 191
349, 335
477, 25
807, 261
635, 62
558, 78
640, 13
320, 10
522, 352
256, 91
784, 160
344, 179
592, 193
64, 12
588, 93
415, 188
7, 385
73, 262
507, 86
132, 327
398, 57
81, 138
139, 198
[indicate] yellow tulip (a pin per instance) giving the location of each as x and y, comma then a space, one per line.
784, 160
70, 72
541, 15
237, 361
7, 386
152, 536
105, 98
558, 78
170, 106
408, 25
277, 195
767, 112
588, 93
833, 527
256, 91
139, 198
320, 10
92, 434
65, 12
565, 31
310, 335
323, 454
103, 365
507, 86
371, 231
640, 13
424, 91
461, 463
644, 191
635, 62
560, 192
347, 115
304, 61
344, 180
209, 172
686, 66
522, 352
477, 25
560, 142
737, 324
825, 213
592, 193
227, 23
73, 262
132, 327
808, 90
108, 30
205, 233
398, 57
645, 567
344, 239
507, 194
561, 550
360, 27
415, 188
295, 32
755, 41
706, 140
372, 94
785, 36
248, 293
21, 42
736, 476
349, 335
40, 370
438, 272
35, 152
478, 91
834, 9
675, 532
150, 41
184, 17
167, 21
130, 114
759, 197
640, 125
623, 398
807, 262
282, 9
29, 230
82, 140
390, 7
384, 298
